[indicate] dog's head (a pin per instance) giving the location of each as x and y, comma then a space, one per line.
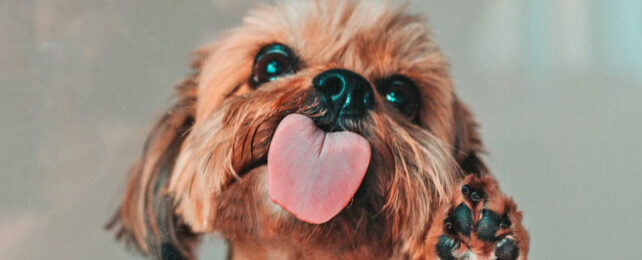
364, 68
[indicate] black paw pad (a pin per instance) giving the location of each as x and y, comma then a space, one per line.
446, 246
506, 249
460, 220
170, 252
489, 223
473, 194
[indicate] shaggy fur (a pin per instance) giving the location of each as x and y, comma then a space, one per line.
203, 169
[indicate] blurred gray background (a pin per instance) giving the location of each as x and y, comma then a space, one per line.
555, 84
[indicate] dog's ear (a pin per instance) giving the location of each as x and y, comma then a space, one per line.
467, 144
146, 218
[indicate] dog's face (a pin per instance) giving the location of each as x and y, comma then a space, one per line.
368, 69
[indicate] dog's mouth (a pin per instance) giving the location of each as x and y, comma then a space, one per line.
314, 174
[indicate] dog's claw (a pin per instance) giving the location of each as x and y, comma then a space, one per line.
472, 194
465, 190
476, 196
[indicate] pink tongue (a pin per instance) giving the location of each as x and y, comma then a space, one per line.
313, 174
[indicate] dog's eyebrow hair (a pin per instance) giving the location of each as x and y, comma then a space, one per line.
232, 91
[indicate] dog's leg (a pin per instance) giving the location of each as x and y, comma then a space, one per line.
480, 222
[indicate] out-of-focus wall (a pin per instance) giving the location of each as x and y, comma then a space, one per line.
556, 86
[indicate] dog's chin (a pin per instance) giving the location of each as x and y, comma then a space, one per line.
358, 221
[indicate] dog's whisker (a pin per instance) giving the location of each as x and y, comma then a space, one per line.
207, 162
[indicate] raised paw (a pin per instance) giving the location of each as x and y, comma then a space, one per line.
479, 222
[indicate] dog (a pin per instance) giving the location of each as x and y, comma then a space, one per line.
320, 130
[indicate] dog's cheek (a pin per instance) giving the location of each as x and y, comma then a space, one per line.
195, 211
190, 190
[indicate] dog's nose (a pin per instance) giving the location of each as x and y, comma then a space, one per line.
349, 92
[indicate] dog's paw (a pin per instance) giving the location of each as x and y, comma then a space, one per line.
479, 223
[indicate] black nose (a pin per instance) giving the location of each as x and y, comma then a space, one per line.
349, 93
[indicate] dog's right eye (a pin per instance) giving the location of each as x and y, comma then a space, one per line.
271, 62
402, 93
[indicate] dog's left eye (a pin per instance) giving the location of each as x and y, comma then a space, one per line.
271, 62
402, 93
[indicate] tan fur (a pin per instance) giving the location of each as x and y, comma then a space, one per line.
207, 155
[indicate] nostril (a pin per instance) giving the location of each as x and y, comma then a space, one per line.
333, 85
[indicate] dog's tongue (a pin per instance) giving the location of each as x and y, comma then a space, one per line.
313, 174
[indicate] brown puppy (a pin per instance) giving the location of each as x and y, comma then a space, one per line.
361, 84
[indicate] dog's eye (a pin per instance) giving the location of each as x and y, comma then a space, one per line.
400, 92
271, 62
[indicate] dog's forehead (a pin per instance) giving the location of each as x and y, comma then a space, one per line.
375, 39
